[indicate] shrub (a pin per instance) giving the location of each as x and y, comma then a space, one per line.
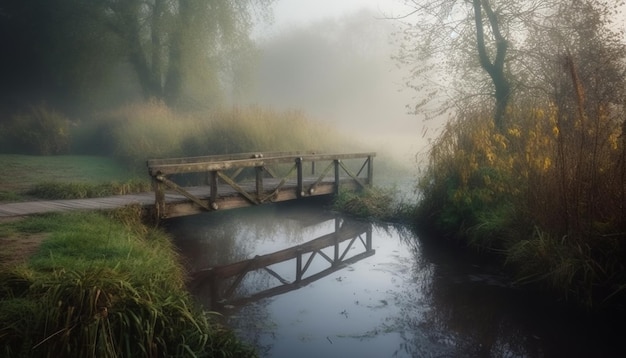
562, 175
40, 130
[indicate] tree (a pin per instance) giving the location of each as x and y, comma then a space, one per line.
470, 46
175, 48
493, 48
495, 67
52, 52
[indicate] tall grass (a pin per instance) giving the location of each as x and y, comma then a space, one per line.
141, 131
104, 286
375, 203
548, 193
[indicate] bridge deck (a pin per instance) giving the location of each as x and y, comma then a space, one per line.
229, 199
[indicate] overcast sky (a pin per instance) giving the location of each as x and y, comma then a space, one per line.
289, 13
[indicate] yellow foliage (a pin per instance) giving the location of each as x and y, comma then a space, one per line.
514, 132
613, 140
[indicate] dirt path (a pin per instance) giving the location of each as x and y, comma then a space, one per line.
16, 249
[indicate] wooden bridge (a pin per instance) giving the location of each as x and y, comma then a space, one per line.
185, 186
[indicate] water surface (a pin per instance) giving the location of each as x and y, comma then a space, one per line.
370, 290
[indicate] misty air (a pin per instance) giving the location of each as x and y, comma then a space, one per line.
298, 178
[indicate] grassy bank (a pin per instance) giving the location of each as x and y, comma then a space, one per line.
101, 285
26, 177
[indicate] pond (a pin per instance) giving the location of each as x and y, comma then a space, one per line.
301, 281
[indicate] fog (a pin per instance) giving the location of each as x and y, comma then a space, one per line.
340, 69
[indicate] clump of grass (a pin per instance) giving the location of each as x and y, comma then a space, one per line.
63, 190
97, 288
373, 203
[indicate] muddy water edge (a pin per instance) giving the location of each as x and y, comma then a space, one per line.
301, 281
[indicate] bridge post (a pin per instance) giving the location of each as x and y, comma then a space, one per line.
370, 171
159, 198
337, 161
213, 185
259, 182
300, 184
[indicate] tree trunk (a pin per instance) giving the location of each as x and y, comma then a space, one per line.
127, 25
157, 31
495, 69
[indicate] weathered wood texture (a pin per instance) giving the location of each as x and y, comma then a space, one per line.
261, 185
47, 206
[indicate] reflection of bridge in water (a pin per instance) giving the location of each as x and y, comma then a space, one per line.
288, 269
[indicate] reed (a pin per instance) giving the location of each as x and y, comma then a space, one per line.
141, 131
547, 193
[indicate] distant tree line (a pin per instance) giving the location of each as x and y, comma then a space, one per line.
94, 52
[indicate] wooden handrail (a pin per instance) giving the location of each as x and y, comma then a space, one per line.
214, 163
222, 157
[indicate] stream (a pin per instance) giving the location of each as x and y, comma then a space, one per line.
300, 281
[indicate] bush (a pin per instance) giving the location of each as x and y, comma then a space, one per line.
40, 130
562, 176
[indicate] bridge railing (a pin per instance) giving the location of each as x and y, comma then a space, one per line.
293, 180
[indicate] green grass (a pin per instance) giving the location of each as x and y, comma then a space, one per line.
59, 190
65, 177
103, 285
21, 171
374, 203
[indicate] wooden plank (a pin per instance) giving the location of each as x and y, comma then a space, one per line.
221, 157
206, 166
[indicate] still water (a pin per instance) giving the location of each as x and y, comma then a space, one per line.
299, 281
